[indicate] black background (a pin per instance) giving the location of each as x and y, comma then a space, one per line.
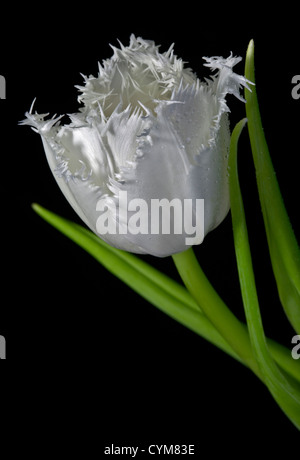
94, 354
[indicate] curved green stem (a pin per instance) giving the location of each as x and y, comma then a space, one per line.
285, 392
233, 331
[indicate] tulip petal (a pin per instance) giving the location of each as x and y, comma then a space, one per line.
160, 171
73, 152
121, 134
226, 81
165, 170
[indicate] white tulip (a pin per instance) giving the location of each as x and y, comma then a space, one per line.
148, 130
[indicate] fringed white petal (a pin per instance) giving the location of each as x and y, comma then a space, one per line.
135, 75
121, 132
226, 81
81, 193
86, 159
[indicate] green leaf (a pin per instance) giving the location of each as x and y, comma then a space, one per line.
283, 246
166, 294
152, 285
284, 391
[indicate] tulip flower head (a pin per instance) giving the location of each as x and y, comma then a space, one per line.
144, 161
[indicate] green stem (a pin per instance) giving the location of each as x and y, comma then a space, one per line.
158, 278
283, 390
231, 329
